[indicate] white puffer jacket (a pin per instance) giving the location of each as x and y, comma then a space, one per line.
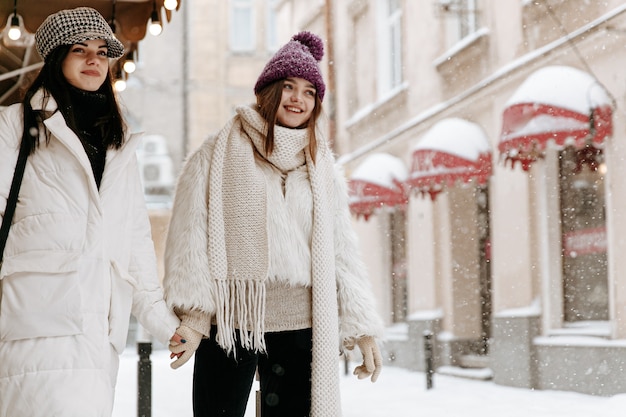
77, 261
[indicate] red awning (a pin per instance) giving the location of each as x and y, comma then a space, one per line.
377, 182
452, 151
559, 105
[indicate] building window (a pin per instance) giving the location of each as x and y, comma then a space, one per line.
585, 269
460, 19
362, 91
242, 27
390, 46
271, 37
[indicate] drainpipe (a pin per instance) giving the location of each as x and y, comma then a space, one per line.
330, 53
497, 76
185, 82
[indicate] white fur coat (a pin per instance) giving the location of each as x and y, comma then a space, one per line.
190, 289
187, 282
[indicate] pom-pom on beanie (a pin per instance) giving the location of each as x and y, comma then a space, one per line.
297, 58
72, 26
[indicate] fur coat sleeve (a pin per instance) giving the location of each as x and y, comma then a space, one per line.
358, 315
188, 286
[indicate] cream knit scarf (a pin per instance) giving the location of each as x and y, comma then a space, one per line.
237, 229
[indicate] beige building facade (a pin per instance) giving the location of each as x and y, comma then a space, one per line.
484, 144
229, 42
190, 78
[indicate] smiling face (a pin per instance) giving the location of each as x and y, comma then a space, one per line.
297, 103
86, 65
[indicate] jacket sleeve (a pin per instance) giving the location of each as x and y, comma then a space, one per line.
358, 315
149, 306
188, 286
10, 134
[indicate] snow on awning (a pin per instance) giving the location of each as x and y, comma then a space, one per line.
377, 182
452, 151
557, 104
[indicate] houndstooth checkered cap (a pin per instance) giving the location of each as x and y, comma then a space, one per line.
72, 26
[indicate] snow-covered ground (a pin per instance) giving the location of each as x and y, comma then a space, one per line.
397, 392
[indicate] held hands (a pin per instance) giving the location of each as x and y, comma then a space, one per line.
183, 345
372, 359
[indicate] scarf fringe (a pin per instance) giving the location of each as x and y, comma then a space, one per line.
242, 308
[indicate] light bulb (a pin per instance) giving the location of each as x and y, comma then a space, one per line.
129, 63
130, 67
120, 85
155, 28
170, 4
155, 24
15, 32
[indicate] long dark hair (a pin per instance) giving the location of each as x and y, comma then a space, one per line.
54, 84
268, 102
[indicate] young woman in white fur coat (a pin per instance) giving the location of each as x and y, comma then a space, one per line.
262, 264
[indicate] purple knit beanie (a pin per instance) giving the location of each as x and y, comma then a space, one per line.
298, 58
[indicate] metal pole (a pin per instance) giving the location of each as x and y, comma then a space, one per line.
428, 356
331, 103
258, 397
144, 380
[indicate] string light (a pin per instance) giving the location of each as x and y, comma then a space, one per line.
120, 80
129, 62
155, 21
14, 31
120, 85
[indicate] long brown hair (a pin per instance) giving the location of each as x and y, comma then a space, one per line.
268, 102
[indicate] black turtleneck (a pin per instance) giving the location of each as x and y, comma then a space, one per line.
88, 108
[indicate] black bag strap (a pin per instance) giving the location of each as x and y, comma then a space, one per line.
9, 211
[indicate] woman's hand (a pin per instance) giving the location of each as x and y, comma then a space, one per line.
177, 339
183, 345
372, 359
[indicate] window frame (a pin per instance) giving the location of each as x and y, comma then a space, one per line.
460, 21
390, 57
271, 35
236, 43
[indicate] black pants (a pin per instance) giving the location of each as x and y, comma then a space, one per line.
221, 383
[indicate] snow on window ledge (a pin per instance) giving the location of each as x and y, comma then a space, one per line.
583, 333
397, 331
372, 108
460, 47
595, 328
